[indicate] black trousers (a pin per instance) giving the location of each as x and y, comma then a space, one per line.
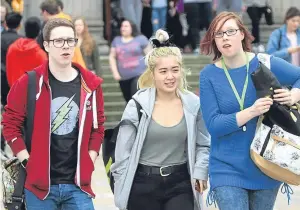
128, 87
255, 14
199, 16
155, 192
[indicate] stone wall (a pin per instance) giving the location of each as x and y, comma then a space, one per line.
92, 11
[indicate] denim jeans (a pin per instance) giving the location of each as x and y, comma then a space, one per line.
198, 16
229, 198
159, 18
61, 197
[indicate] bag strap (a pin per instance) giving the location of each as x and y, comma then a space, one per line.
128, 122
138, 108
17, 197
31, 100
279, 41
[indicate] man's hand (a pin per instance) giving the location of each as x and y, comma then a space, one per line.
93, 155
200, 186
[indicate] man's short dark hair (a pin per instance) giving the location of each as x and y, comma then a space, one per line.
60, 4
54, 23
50, 6
32, 27
13, 20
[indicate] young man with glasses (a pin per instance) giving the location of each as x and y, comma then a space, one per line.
68, 126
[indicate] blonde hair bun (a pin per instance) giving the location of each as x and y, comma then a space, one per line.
161, 35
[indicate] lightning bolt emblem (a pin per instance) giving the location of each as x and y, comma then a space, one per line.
62, 112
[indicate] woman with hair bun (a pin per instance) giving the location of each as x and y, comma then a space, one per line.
163, 164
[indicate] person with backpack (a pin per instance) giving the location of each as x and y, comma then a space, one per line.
161, 162
231, 109
68, 125
284, 42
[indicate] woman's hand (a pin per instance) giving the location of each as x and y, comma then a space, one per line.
261, 106
117, 76
200, 186
284, 97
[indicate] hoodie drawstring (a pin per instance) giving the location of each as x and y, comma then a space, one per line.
288, 190
40, 88
211, 198
95, 118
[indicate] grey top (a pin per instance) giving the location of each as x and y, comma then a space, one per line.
164, 146
130, 143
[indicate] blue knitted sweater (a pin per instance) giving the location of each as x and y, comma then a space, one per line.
230, 163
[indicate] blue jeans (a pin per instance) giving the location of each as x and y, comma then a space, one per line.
159, 18
61, 197
229, 198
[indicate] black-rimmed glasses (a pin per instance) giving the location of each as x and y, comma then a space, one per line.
230, 32
59, 43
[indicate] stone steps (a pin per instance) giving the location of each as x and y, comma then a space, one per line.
114, 103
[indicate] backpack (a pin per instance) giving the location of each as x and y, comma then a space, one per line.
13, 174
275, 148
109, 144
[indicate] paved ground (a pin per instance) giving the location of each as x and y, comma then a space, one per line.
104, 197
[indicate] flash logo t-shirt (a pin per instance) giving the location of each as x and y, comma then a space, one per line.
64, 129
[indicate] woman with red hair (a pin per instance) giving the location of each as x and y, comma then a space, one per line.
231, 109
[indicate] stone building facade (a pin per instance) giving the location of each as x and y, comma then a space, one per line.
92, 10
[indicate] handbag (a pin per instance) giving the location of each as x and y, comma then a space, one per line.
13, 174
275, 148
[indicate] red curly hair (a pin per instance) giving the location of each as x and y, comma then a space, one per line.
208, 45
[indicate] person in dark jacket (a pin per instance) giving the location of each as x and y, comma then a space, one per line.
88, 46
12, 21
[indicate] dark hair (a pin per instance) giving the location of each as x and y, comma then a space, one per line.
208, 44
13, 20
54, 23
135, 32
32, 27
50, 6
60, 4
291, 12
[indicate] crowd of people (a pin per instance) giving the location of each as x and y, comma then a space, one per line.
181, 140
